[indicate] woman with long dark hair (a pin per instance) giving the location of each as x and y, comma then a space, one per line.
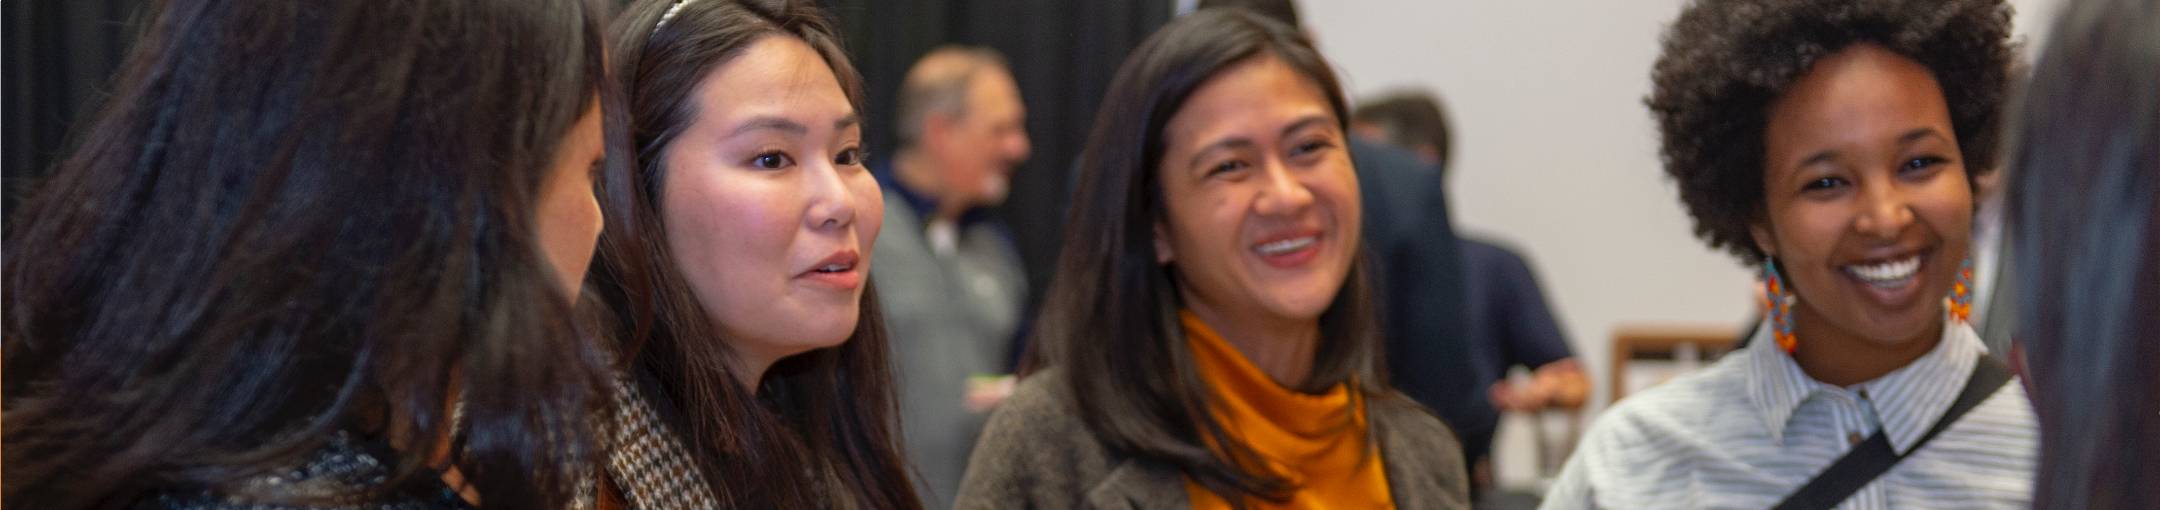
2085, 215
316, 254
732, 274
1208, 340
1833, 144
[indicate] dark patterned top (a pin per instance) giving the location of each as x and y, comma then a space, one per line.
336, 477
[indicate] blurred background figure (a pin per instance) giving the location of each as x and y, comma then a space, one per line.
2084, 201
1417, 272
947, 268
1507, 322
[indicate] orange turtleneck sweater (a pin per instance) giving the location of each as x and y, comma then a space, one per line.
1302, 437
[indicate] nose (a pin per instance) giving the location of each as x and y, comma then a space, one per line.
1885, 211
1017, 146
1281, 193
831, 206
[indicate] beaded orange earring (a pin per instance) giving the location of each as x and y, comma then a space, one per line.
1960, 300
1778, 307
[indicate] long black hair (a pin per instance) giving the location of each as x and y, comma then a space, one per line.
2085, 212
1110, 320
298, 218
827, 412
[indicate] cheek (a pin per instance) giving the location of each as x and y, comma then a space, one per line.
1948, 207
570, 223
1337, 191
728, 233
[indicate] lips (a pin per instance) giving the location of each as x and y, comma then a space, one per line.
1891, 281
1887, 272
838, 271
1288, 249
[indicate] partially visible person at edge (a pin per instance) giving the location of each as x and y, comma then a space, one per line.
948, 269
733, 272
1507, 320
2084, 184
1417, 270
1832, 143
1209, 332
294, 264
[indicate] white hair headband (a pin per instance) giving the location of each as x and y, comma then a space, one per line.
670, 14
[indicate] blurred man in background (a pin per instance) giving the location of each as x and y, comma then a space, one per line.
948, 275
1508, 323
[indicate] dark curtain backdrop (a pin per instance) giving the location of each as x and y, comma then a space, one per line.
1063, 54
61, 54
58, 57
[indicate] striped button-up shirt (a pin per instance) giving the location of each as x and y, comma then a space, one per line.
1752, 428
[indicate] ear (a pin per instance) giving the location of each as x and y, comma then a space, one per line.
1163, 253
937, 124
1764, 239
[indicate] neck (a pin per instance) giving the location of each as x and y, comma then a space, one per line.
1281, 348
915, 170
750, 368
1835, 356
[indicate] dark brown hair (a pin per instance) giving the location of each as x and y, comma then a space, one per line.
294, 219
2085, 223
1725, 61
828, 409
1410, 119
1110, 323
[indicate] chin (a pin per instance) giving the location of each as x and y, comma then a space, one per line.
1902, 330
1309, 305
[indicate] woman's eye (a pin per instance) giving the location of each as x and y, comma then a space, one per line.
771, 161
1823, 183
1226, 166
1923, 162
849, 157
1310, 147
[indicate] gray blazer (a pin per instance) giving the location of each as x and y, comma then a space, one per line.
1036, 453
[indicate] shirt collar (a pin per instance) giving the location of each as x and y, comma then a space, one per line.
924, 206
1908, 400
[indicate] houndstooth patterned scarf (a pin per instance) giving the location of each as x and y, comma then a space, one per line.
647, 461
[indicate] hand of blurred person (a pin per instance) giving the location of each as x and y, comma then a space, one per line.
1560, 384
1565, 382
984, 392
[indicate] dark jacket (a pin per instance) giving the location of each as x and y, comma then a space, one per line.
1418, 281
1037, 453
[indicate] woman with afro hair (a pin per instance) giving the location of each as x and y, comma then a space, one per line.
1832, 144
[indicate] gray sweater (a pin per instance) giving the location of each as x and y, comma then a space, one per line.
1037, 453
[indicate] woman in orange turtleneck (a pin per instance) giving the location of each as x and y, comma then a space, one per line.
1209, 339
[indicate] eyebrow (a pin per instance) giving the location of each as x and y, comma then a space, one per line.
768, 122
1242, 142
1916, 134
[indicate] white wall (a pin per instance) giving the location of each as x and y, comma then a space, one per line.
1553, 148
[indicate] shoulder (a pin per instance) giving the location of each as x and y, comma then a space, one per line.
1034, 450
1423, 457
1402, 419
1039, 405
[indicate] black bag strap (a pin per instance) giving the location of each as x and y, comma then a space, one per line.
1873, 457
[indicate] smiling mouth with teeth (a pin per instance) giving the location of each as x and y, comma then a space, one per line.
835, 268
1285, 246
1887, 273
